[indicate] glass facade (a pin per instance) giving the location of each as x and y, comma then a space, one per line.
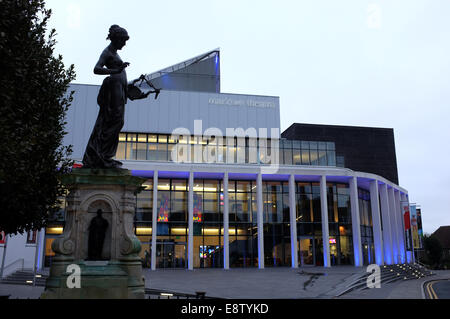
234, 150
365, 215
208, 228
277, 239
172, 224
208, 224
243, 242
340, 224
309, 224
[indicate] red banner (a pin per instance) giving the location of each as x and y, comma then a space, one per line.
407, 221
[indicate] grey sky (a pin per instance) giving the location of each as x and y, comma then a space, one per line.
357, 62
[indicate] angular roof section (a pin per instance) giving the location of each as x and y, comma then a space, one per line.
201, 73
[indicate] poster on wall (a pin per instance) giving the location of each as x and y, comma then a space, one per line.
2, 237
31, 237
163, 212
414, 227
198, 214
407, 220
419, 227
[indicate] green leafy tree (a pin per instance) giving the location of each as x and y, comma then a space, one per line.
33, 104
433, 249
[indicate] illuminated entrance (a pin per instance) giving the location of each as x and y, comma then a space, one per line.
306, 252
310, 252
171, 254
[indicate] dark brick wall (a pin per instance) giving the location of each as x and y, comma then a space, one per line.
365, 149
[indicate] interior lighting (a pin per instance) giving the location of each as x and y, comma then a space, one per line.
143, 231
55, 230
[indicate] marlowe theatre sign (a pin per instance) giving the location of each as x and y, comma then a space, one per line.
233, 102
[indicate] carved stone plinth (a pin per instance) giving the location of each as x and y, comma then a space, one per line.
119, 273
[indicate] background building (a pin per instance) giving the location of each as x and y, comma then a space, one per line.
443, 235
364, 149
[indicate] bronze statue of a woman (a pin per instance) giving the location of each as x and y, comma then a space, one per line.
102, 145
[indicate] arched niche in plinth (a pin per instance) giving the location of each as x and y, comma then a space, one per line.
90, 207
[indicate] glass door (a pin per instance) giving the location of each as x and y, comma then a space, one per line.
170, 254
165, 254
180, 255
306, 251
318, 251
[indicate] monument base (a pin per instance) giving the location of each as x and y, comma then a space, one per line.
96, 282
119, 275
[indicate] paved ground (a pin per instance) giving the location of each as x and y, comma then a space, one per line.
252, 283
409, 289
437, 289
283, 283
21, 292
442, 289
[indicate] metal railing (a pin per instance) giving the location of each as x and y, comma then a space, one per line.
160, 294
3, 270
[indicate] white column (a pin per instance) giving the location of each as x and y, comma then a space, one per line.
41, 251
400, 227
259, 199
376, 221
36, 254
293, 221
226, 241
393, 219
191, 222
356, 228
387, 239
154, 219
325, 230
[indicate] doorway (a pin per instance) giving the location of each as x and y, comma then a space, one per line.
306, 251
171, 254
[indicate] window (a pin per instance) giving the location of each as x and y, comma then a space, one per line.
231, 150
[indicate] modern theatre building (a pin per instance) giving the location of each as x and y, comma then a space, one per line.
225, 188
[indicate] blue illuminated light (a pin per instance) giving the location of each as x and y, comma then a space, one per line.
39, 255
378, 256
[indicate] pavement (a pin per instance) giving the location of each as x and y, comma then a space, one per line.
408, 289
21, 291
279, 283
437, 289
269, 283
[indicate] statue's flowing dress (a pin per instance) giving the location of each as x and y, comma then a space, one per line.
102, 145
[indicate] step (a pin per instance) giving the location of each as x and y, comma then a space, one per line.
389, 274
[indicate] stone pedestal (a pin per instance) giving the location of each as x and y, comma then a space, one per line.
119, 273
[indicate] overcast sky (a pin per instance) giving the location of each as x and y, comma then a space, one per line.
357, 62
